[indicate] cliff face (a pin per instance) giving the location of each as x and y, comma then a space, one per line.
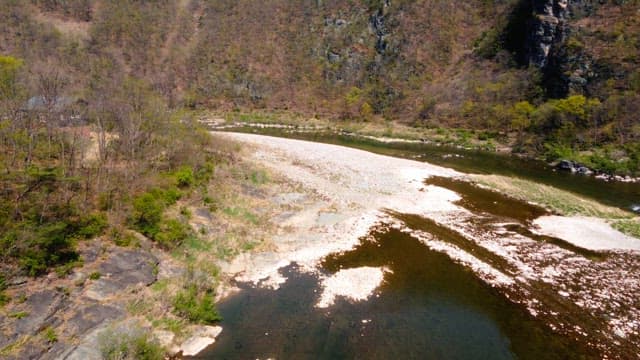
548, 28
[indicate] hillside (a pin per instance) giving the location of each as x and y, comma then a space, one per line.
548, 77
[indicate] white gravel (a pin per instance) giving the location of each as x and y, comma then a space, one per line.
354, 284
586, 232
356, 184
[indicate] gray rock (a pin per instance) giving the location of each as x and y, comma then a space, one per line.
123, 269
40, 307
91, 316
333, 57
88, 349
252, 191
289, 198
204, 213
90, 254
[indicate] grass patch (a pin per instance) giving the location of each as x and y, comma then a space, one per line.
241, 213
559, 201
19, 315
14, 347
4, 298
630, 227
138, 307
160, 285
176, 326
259, 177
196, 305
195, 302
50, 335
133, 344
194, 243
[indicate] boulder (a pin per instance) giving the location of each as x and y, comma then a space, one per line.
202, 337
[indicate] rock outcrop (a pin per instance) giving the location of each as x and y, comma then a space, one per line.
548, 28
567, 68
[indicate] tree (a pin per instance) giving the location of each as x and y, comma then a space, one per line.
521, 115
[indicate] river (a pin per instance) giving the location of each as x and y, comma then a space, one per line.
431, 305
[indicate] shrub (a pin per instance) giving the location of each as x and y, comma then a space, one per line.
44, 246
134, 344
147, 213
184, 177
50, 335
123, 238
196, 306
171, 233
92, 225
4, 299
95, 275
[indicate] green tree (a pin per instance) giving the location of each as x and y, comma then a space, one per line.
521, 115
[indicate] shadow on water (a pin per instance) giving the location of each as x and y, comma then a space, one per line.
428, 307
497, 208
483, 201
618, 194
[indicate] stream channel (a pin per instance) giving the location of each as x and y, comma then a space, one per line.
428, 306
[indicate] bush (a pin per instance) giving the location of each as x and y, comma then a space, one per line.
92, 225
196, 306
134, 344
41, 247
184, 177
171, 233
147, 213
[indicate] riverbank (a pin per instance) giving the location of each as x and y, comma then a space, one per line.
600, 163
355, 190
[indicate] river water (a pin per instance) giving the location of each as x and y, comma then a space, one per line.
428, 306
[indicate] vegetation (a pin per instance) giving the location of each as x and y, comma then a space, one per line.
50, 335
559, 201
132, 344
196, 300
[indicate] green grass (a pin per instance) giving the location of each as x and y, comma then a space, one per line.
132, 344
196, 306
630, 227
559, 201
160, 285
176, 326
138, 307
259, 177
50, 335
241, 213
19, 315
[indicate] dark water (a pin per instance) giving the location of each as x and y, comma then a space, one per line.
427, 308
618, 194
493, 207
492, 203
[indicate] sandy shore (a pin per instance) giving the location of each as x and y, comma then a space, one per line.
350, 188
345, 191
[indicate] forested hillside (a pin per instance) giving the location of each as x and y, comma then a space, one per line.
547, 77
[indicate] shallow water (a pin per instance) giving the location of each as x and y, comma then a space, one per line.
428, 307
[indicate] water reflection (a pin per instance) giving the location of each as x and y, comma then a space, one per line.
428, 307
